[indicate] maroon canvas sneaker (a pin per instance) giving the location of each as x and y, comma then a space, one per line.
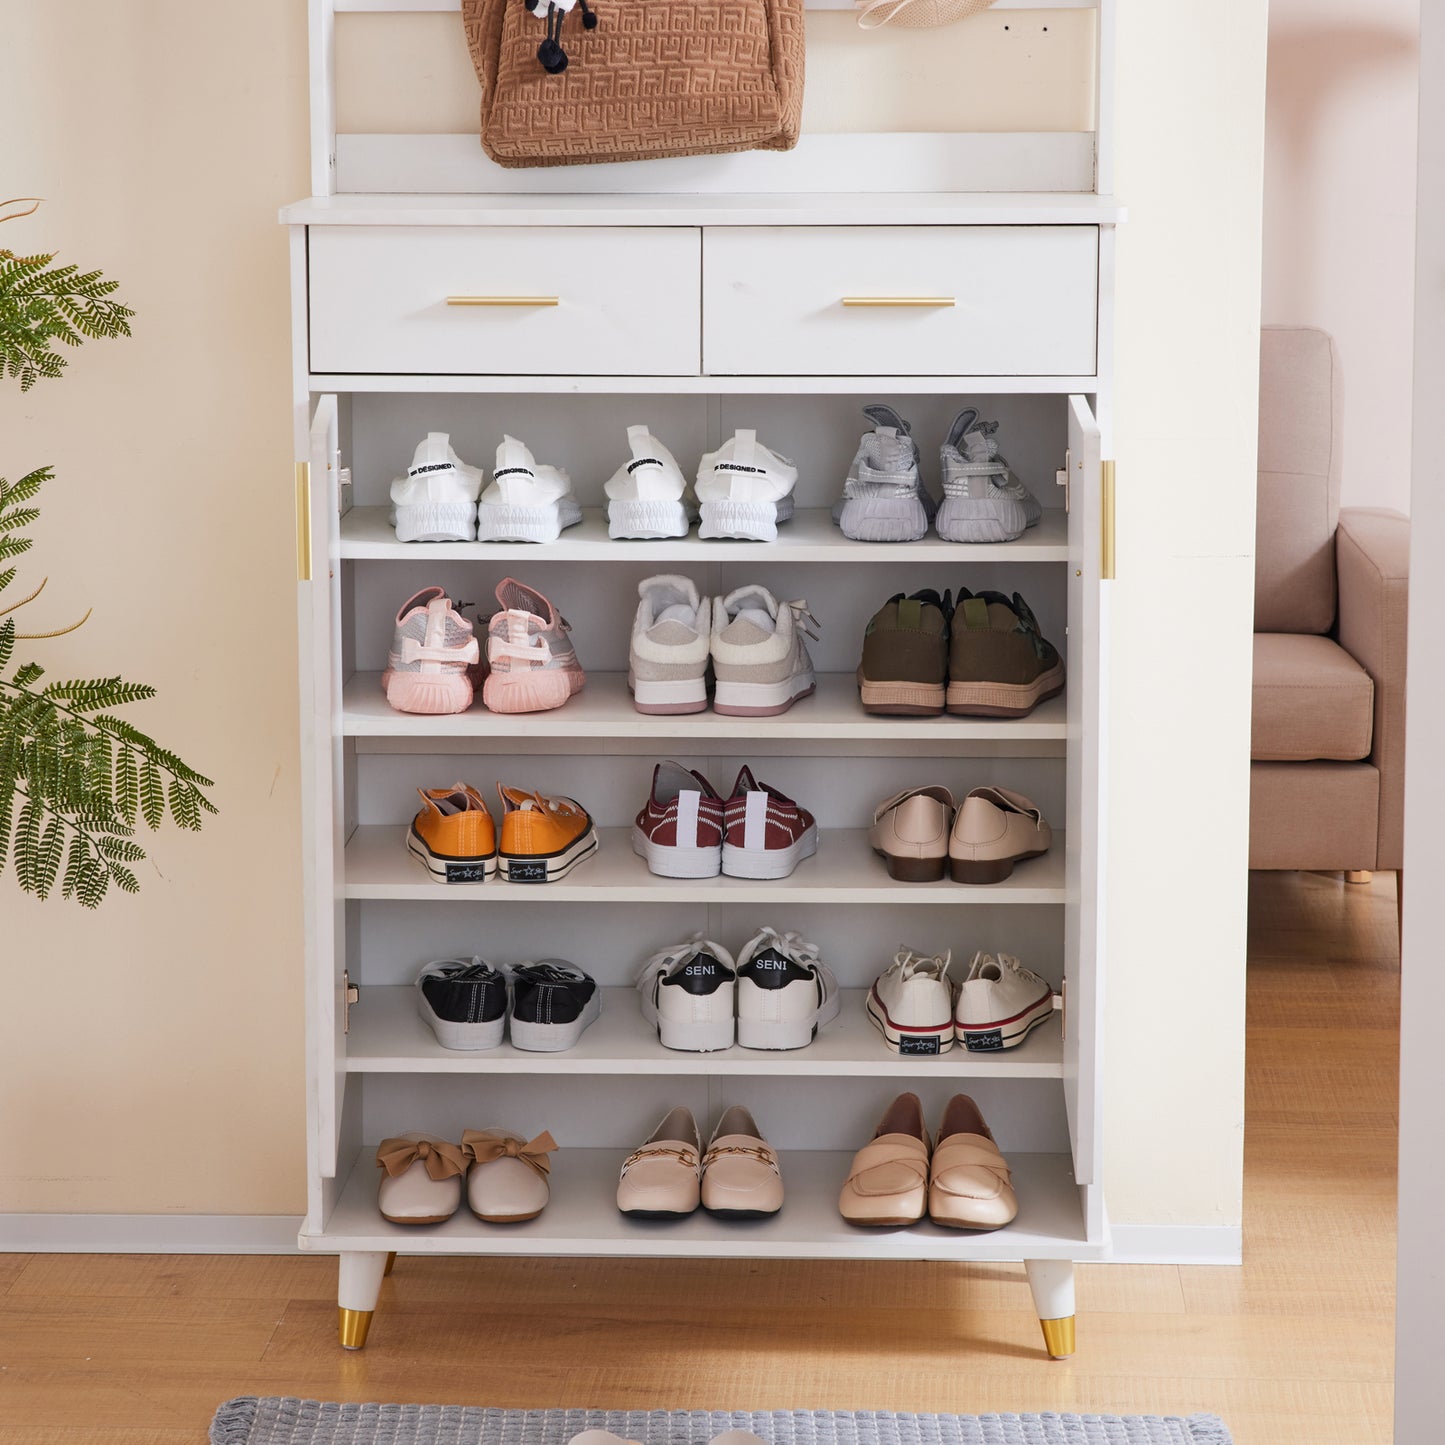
767, 833
680, 831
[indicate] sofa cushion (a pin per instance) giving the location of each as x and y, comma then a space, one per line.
1313, 815
1301, 411
1311, 700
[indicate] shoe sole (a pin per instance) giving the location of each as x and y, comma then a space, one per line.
697, 1036
988, 870
428, 693
744, 1213
538, 1038
462, 1037
883, 519
658, 1213
506, 522
669, 861
780, 1034
888, 1221
768, 862
403, 1219
437, 522
902, 699
647, 520
894, 1035
531, 690
761, 699
743, 521
1004, 699
444, 868
1007, 1033
670, 698
506, 1218
914, 870
547, 867
981, 519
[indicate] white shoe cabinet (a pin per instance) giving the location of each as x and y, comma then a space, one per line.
562, 319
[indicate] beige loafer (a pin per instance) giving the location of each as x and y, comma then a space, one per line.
741, 1178
887, 1182
992, 831
970, 1186
910, 834
661, 1178
421, 1181
507, 1181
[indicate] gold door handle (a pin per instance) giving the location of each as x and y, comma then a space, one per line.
1106, 522
303, 521
899, 301
504, 300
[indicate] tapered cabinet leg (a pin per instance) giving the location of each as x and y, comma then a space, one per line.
356, 1294
1358, 875
1052, 1284
390, 1264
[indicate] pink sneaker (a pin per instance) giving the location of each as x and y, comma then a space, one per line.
533, 665
434, 658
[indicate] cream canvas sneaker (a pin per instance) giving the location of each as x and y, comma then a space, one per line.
744, 490
994, 829
525, 501
667, 660
436, 501
760, 660
689, 993
662, 1177
1000, 1003
912, 1003
786, 993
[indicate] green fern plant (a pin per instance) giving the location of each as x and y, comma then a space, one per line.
77, 780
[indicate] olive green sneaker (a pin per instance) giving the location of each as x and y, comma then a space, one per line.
904, 671
999, 664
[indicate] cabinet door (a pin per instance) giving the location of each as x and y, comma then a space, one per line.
322, 824
1087, 720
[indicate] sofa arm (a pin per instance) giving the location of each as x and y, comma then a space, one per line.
1372, 556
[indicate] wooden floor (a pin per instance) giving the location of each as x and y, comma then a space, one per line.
1293, 1349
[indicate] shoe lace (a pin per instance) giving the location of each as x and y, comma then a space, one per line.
908, 962
549, 973
804, 619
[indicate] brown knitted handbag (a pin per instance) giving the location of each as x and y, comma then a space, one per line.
632, 80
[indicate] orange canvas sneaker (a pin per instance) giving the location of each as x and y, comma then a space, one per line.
543, 839
454, 837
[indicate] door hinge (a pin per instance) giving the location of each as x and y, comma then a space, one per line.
350, 994
1062, 478
303, 521
1106, 529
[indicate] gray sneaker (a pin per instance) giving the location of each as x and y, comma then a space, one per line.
883, 497
982, 499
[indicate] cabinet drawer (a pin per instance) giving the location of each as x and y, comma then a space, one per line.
627, 300
1023, 299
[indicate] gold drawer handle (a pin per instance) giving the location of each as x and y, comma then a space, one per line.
504, 300
898, 301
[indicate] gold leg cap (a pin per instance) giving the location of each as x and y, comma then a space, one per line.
390, 1263
1359, 875
351, 1327
1059, 1337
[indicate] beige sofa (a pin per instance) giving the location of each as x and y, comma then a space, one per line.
1327, 779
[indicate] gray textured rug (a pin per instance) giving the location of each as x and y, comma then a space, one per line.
270, 1420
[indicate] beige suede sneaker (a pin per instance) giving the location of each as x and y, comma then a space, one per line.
910, 833
887, 1182
661, 1178
994, 829
740, 1174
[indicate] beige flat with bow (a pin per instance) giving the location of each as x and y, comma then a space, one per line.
888, 1181
421, 1182
507, 1182
971, 1187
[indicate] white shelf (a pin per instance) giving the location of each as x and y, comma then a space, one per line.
844, 870
582, 1219
388, 1037
809, 537
603, 709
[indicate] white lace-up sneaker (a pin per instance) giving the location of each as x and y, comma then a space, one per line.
645, 494
436, 501
1000, 1003
688, 992
982, 499
912, 1003
760, 660
786, 993
883, 498
525, 501
671, 639
744, 490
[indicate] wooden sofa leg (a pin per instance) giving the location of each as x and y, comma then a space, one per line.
1358, 875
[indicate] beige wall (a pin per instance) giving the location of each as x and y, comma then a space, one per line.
179, 1087
1340, 213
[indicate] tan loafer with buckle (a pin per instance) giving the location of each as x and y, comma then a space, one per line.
970, 1186
994, 829
888, 1181
741, 1178
661, 1178
910, 834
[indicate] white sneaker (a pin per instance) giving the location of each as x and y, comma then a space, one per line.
671, 639
760, 660
982, 499
912, 1003
436, 501
744, 490
689, 992
1000, 1003
525, 502
883, 498
645, 494
786, 993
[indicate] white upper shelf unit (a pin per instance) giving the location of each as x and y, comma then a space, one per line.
392, 7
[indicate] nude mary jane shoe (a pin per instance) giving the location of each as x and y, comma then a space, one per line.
741, 1178
421, 1181
507, 1182
887, 1183
970, 1186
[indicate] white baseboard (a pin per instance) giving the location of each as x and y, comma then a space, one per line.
276, 1234
1176, 1244
149, 1233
